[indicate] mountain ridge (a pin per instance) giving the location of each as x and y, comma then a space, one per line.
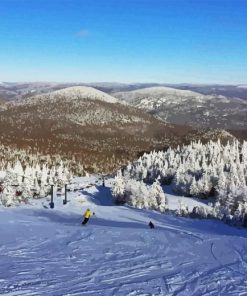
19, 90
73, 93
188, 107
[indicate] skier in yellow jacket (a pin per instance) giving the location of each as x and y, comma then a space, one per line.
87, 216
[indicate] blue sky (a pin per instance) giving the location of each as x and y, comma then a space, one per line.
174, 41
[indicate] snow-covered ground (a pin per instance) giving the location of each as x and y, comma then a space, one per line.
46, 251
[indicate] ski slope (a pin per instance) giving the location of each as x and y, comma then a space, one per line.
47, 252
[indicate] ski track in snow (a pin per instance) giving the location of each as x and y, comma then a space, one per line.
48, 252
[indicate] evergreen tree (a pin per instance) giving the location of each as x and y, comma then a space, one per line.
118, 189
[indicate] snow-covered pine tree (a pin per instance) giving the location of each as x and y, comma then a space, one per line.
182, 209
8, 195
194, 190
118, 189
158, 195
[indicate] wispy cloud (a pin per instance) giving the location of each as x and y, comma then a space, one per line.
82, 34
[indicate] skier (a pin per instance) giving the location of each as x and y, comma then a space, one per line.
87, 216
151, 225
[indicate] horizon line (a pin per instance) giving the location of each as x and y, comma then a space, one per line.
125, 83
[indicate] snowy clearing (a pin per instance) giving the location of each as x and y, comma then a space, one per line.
46, 251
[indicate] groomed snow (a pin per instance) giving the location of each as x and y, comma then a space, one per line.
46, 251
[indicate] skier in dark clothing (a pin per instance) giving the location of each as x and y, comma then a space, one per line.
151, 225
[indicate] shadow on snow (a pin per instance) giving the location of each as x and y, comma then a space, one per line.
101, 197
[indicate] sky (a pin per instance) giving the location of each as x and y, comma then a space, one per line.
165, 41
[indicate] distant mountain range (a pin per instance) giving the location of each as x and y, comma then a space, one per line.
190, 108
86, 124
237, 91
197, 105
12, 91
106, 126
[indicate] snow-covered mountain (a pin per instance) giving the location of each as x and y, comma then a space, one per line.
17, 90
227, 90
189, 107
71, 93
242, 86
81, 105
83, 122
155, 92
47, 251
87, 125
13, 90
